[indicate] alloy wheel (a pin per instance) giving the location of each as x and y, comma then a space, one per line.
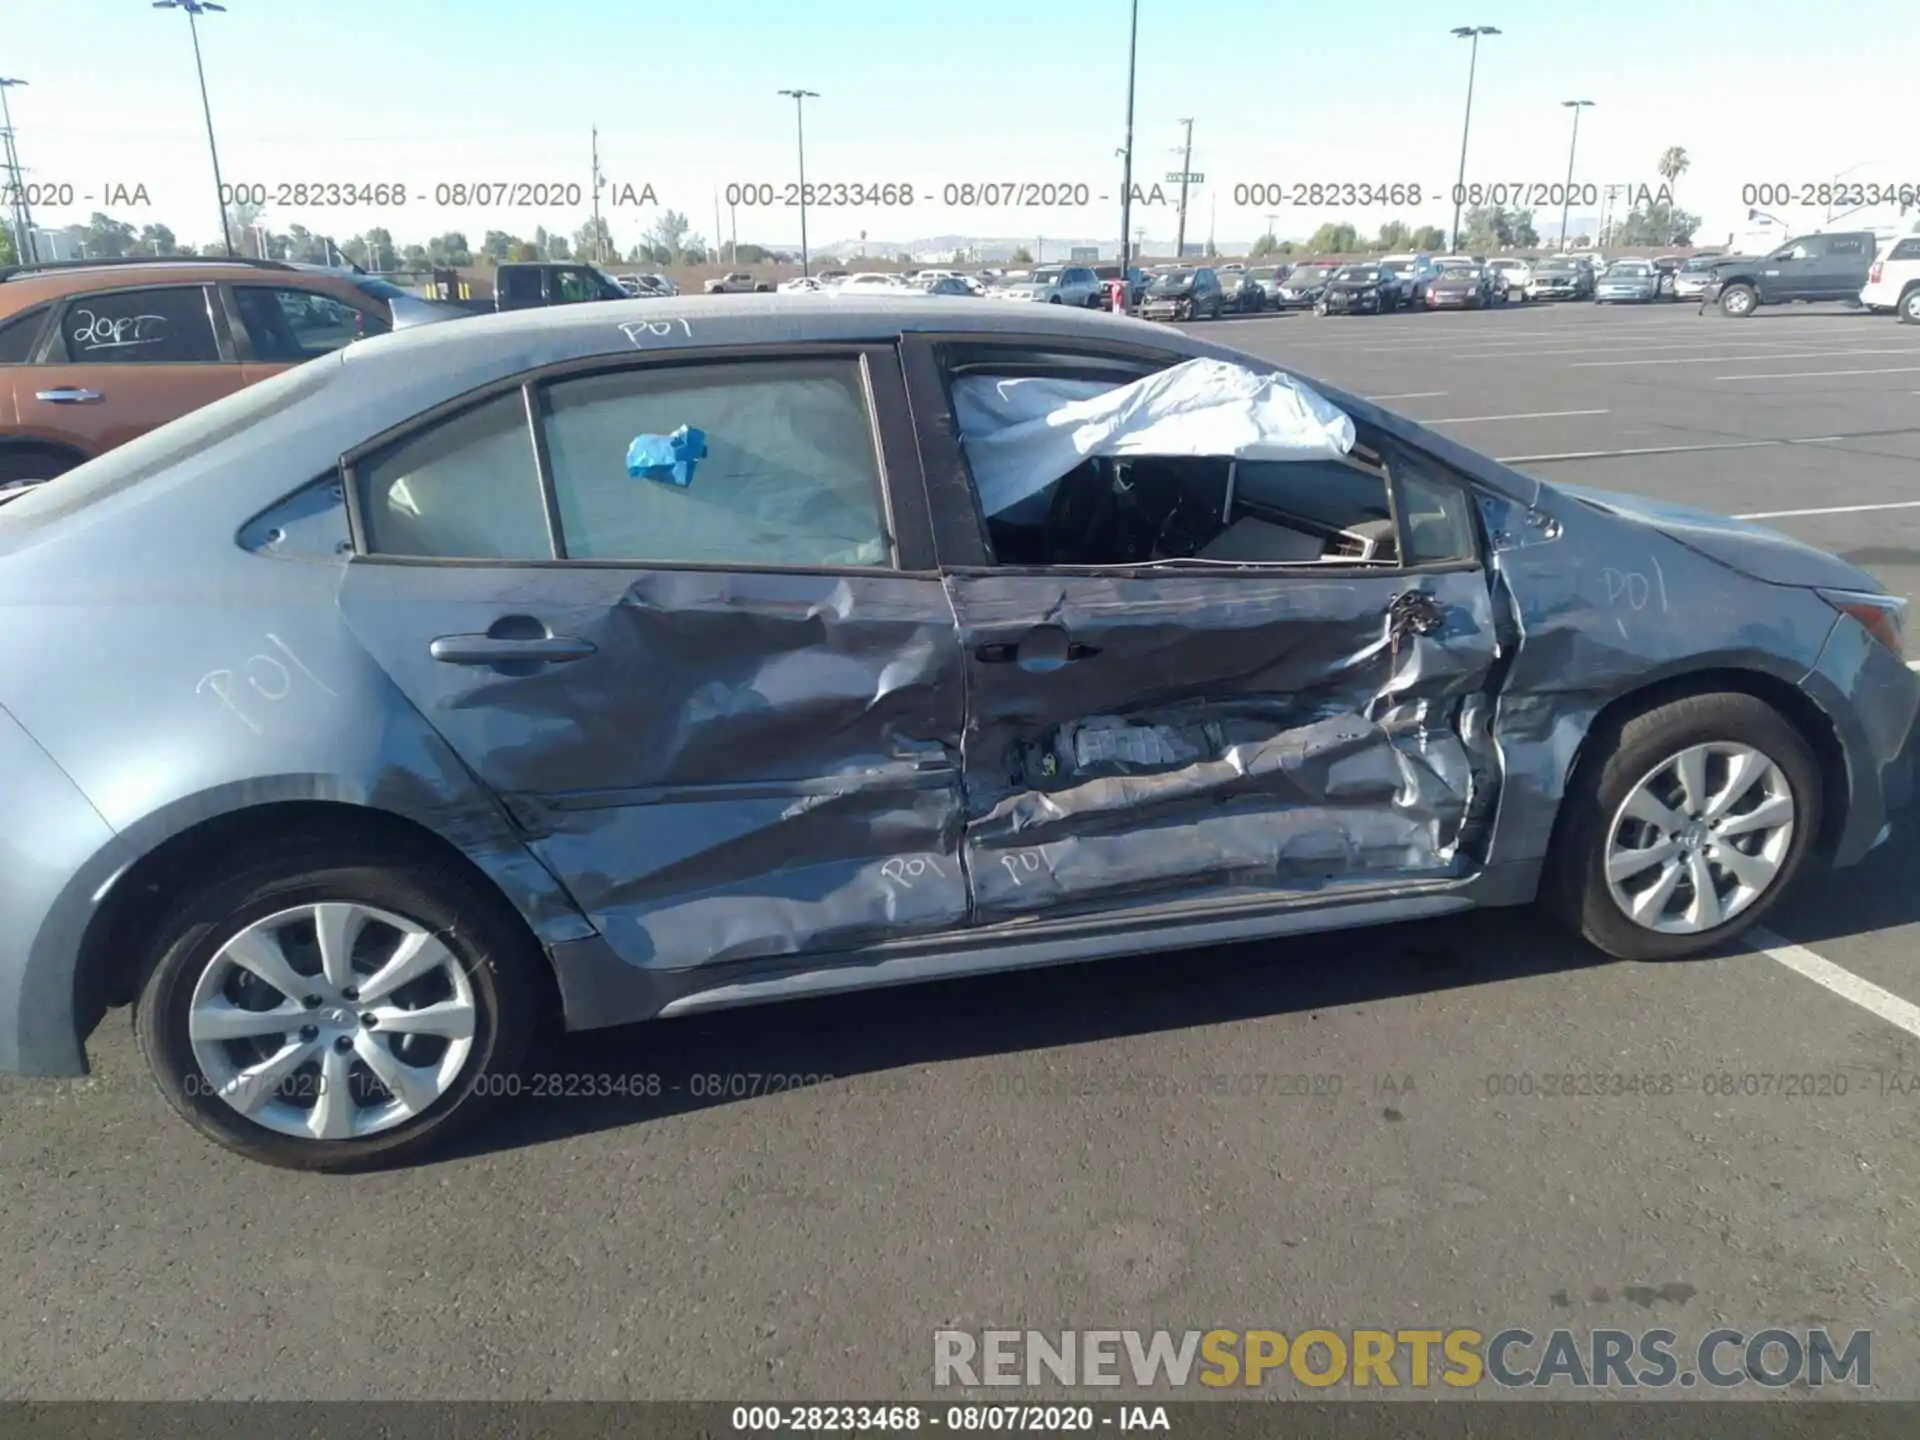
332, 1021
1701, 837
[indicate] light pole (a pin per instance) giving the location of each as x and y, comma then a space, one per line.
1566, 199
23, 216
1186, 168
1473, 33
1830, 217
800, 97
1126, 167
195, 9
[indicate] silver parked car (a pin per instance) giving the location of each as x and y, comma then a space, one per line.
1057, 285
1629, 281
618, 661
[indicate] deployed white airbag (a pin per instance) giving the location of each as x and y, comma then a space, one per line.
1023, 434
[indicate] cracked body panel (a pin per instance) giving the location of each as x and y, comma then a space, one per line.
745, 765
1303, 735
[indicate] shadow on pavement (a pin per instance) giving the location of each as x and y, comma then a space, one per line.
1081, 1004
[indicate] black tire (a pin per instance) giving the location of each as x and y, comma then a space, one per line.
1737, 302
1574, 888
1055, 300
497, 954
1909, 307
31, 466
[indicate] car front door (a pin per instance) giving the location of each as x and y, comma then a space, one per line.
721, 695
1790, 270
119, 363
1189, 729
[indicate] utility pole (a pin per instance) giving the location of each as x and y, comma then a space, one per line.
598, 248
1572, 145
1186, 168
716, 230
1211, 215
29, 251
1126, 166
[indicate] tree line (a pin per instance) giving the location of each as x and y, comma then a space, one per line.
670, 240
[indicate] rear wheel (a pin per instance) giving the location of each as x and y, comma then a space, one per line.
320, 1011
1684, 827
28, 466
1909, 307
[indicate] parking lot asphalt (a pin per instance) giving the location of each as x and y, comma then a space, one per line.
1359, 1130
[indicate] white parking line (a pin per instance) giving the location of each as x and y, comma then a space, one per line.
1533, 415
1709, 359
1830, 510
1816, 374
1410, 395
1844, 983
1645, 450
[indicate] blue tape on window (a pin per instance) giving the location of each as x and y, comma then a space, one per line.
667, 459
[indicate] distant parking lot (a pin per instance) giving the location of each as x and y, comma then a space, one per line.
1126, 1144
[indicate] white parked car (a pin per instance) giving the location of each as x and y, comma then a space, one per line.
873, 282
1894, 282
801, 285
1518, 273
738, 283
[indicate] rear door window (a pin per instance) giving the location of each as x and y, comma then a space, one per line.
20, 336
570, 287
287, 326
171, 325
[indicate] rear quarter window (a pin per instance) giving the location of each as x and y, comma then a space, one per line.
1908, 249
20, 336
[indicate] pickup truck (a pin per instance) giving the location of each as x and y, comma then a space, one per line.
738, 283
1808, 268
528, 285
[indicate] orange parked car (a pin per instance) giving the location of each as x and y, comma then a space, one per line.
94, 353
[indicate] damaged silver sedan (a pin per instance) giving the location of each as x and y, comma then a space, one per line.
616, 663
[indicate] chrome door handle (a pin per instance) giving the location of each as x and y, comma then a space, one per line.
508, 650
69, 396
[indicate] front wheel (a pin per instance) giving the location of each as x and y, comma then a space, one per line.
1738, 301
1684, 827
320, 1010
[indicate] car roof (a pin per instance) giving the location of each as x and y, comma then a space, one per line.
24, 286
552, 334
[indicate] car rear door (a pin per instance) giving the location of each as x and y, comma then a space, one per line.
723, 702
278, 325
1187, 731
1844, 271
120, 362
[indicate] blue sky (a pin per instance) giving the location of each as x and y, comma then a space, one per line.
685, 97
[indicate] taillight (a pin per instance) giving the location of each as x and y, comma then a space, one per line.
1881, 616
1873, 275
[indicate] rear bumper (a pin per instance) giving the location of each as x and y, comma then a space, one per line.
59, 854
